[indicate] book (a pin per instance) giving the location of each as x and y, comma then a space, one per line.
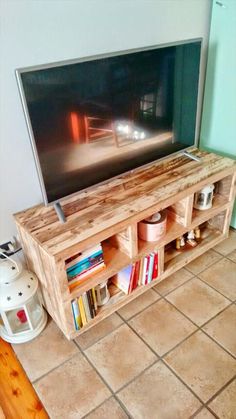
136, 274
80, 279
122, 279
145, 260
91, 303
85, 264
150, 268
147, 269
140, 272
86, 306
131, 281
76, 314
82, 310
83, 255
155, 266
95, 300
83, 274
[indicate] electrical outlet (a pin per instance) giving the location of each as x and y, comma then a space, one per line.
9, 247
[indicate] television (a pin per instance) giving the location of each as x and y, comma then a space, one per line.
96, 118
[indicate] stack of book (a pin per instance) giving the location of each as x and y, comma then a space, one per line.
84, 308
83, 265
140, 273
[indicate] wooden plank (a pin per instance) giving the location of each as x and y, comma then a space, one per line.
89, 219
17, 395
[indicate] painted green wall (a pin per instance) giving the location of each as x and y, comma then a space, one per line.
218, 128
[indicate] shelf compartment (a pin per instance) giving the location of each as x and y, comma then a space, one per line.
126, 241
114, 259
219, 202
176, 259
117, 300
181, 211
173, 230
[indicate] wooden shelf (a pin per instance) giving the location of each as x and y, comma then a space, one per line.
109, 214
220, 202
174, 259
114, 259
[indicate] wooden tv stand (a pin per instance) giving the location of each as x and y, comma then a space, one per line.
109, 214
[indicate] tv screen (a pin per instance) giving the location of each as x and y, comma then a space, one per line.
93, 119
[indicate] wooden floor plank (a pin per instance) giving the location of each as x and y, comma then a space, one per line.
18, 398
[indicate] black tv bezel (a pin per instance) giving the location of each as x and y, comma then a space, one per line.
20, 71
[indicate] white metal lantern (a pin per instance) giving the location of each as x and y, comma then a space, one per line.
22, 316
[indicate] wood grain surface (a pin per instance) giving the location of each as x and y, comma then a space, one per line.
18, 399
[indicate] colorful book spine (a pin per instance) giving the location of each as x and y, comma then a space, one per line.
78, 280
155, 266
84, 265
82, 311
86, 306
150, 269
76, 314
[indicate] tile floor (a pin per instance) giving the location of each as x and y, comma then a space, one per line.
169, 354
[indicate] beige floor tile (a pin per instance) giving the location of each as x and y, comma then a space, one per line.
138, 304
228, 245
108, 410
45, 352
202, 364
222, 277
197, 301
157, 393
224, 405
72, 390
99, 331
173, 281
232, 256
204, 414
223, 329
120, 356
162, 326
202, 262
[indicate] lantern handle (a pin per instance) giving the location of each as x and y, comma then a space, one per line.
11, 260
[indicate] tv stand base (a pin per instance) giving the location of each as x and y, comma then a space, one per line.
59, 211
192, 156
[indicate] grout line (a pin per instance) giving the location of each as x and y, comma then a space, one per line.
220, 390
211, 286
219, 344
178, 286
98, 339
199, 411
106, 383
208, 266
54, 368
139, 312
140, 337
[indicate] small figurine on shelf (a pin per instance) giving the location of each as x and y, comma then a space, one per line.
191, 238
179, 242
197, 233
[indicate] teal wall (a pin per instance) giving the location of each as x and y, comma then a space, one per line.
218, 128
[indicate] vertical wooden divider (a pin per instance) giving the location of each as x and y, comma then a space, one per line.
161, 260
127, 241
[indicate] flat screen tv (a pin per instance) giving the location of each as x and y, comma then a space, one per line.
95, 118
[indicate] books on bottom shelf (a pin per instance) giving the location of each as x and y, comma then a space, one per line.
140, 273
84, 308
83, 265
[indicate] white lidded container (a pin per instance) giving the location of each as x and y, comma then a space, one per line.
203, 198
22, 316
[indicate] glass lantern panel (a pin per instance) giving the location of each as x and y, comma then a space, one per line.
35, 311
17, 320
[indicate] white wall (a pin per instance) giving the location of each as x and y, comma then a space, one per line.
42, 31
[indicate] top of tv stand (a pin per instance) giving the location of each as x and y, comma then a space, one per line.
106, 209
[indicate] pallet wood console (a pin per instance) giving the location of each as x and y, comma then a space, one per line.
109, 214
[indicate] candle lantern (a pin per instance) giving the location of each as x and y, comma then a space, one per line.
22, 316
